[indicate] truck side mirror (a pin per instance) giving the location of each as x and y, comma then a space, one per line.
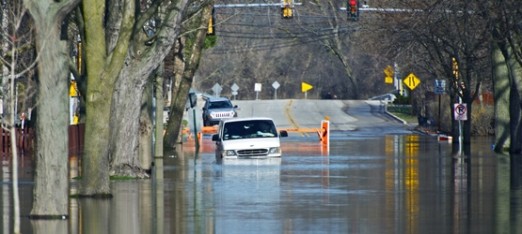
215, 137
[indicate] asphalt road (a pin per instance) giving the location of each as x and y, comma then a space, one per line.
359, 116
344, 115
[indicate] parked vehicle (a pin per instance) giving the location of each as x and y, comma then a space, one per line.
255, 137
216, 109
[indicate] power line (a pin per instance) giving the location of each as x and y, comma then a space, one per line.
297, 37
270, 46
284, 35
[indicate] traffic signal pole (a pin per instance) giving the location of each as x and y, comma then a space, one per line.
287, 6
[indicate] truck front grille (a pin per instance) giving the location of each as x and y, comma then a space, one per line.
252, 152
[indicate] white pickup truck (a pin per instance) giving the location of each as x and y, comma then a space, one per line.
255, 137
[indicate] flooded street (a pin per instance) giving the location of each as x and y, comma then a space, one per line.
361, 184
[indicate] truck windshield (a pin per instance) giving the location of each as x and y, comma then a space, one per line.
249, 129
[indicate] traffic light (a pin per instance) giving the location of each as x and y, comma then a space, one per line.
211, 29
455, 67
287, 8
353, 9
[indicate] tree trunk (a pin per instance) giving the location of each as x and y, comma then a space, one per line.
51, 181
179, 92
95, 161
125, 132
189, 68
501, 92
160, 104
515, 105
146, 130
102, 68
177, 108
514, 70
141, 61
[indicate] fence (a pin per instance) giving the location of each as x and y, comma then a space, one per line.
26, 140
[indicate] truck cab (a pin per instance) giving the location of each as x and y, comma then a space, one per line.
255, 137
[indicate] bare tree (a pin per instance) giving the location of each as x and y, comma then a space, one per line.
435, 33
51, 182
121, 56
318, 45
504, 16
189, 58
17, 62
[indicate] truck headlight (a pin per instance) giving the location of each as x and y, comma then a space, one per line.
274, 150
230, 153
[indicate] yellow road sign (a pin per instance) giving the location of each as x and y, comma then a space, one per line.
305, 87
388, 75
411, 81
388, 71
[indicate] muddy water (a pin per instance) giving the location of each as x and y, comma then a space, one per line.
360, 184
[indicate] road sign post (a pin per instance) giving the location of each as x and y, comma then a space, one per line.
275, 85
257, 89
440, 88
411, 81
217, 90
234, 89
388, 75
193, 100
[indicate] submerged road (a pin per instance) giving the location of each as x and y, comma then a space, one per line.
375, 177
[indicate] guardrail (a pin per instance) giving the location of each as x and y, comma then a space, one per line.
26, 140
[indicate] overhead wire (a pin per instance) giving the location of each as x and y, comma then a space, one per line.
261, 47
285, 39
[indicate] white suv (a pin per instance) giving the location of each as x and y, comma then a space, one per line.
216, 109
255, 137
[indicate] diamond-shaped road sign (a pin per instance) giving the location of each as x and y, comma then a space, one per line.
234, 87
411, 81
217, 89
275, 85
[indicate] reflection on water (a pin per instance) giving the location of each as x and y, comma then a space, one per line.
391, 184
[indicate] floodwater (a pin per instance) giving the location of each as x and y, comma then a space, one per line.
360, 184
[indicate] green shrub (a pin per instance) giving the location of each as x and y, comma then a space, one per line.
403, 109
402, 100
